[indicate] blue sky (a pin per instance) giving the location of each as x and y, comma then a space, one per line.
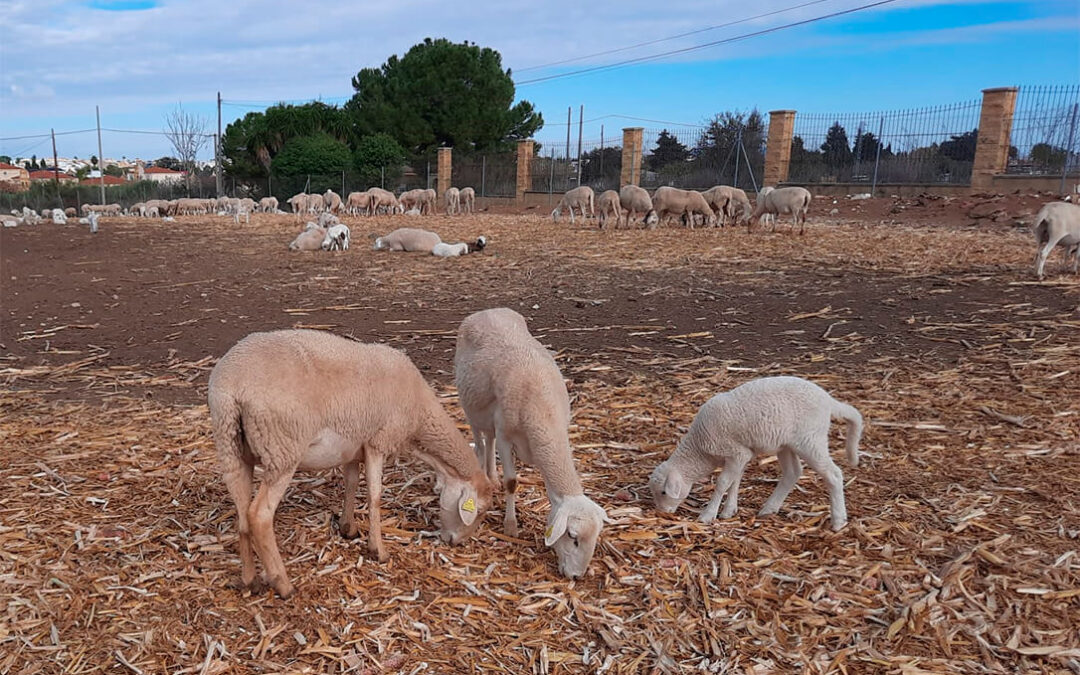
138, 58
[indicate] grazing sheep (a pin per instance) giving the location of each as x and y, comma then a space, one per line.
453, 201
310, 239
268, 205
298, 202
1057, 223
766, 217
428, 200
408, 239
636, 201
580, 197
444, 250
669, 201
785, 416
337, 238
607, 204
468, 200
151, 211
786, 200
357, 202
70, 212
409, 200
307, 400
382, 199
332, 201
516, 402
58, 217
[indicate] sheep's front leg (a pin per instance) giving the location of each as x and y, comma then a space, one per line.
373, 470
261, 515
506, 456
347, 523
485, 453
736, 465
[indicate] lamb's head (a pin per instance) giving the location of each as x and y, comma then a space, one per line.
573, 529
379, 245
651, 219
481, 242
669, 487
462, 505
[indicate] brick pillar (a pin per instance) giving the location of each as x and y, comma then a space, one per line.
632, 159
778, 146
524, 168
995, 128
445, 172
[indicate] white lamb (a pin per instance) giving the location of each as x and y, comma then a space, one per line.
58, 217
453, 201
516, 402
444, 250
785, 416
337, 238
408, 239
1057, 223
581, 197
310, 401
794, 201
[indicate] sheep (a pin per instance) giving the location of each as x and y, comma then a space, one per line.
11, 221
516, 402
785, 416
381, 198
608, 204
30, 216
453, 201
267, 205
790, 200
767, 217
428, 200
326, 219
311, 239
298, 202
579, 197
468, 200
357, 202
444, 250
670, 201
241, 213
70, 212
332, 201
337, 238
1057, 223
409, 199
151, 211
636, 201
58, 217
408, 239
308, 400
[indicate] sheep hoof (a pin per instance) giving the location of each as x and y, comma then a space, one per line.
511, 529
767, 512
348, 530
380, 554
837, 526
284, 589
707, 518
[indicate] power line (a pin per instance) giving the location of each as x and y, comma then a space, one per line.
671, 37
684, 50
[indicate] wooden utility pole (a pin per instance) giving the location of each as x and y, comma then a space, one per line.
101, 157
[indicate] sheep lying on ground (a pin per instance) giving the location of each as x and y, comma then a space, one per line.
444, 250
1057, 223
453, 201
516, 402
581, 198
311, 239
785, 416
685, 204
337, 238
786, 200
468, 200
607, 205
408, 239
637, 202
306, 400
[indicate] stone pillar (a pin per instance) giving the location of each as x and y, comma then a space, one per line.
524, 169
632, 159
778, 146
445, 172
995, 129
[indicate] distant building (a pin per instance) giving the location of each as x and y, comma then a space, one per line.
109, 181
46, 175
15, 176
161, 175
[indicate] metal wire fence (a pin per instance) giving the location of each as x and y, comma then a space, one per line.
921, 145
730, 150
492, 175
1044, 131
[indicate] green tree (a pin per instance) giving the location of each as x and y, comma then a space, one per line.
249, 144
600, 167
5, 159
168, 163
315, 154
836, 151
113, 170
668, 150
93, 161
82, 172
442, 93
1048, 156
866, 147
960, 147
716, 149
377, 153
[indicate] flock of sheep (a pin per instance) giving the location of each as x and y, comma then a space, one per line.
304, 400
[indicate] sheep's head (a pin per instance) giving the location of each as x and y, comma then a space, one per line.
462, 505
573, 529
651, 219
669, 487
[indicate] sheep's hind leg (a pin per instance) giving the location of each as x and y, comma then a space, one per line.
261, 515
239, 481
1044, 253
819, 460
790, 472
347, 523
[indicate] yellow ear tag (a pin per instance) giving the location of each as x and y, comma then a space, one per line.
547, 532
468, 505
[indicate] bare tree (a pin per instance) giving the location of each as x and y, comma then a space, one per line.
188, 134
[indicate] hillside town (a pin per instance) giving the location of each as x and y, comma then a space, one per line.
18, 174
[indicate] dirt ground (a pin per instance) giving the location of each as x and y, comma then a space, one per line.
118, 537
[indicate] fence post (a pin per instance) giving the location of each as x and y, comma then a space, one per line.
877, 155
630, 172
343, 182
524, 169
446, 166
738, 151
551, 176
483, 175
995, 128
778, 146
382, 180
601, 174
1069, 148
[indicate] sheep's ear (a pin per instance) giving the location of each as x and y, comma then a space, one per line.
557, 528
675, 486
467, 507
